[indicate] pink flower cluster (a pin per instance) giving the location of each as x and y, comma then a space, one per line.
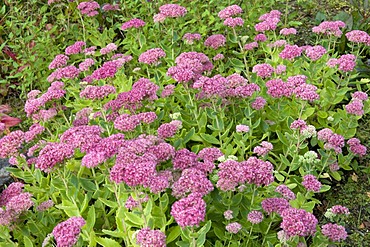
298, 222
169, 10
133, 23
152, 56
89, 8
110, 7
67, 232
142, 90
33, 131
75, 48
68, 72
261, 37
330, 28
189, 66
192, 180
149, 238
345, 63
85, 65
189, 211
52, 154
97, 92
218, 86
358, 36
288, 31
258, 103
263, 149
10, 144
285, 192
269, 21
333, 141
126, 122
15, 202
168, 130
219, 56
250, 46
215, 41
315, 52
263, 70
233, 227
356, 147
45, 205
168, 90
356, 106
255, 217
334, 232
339, 209
311, 183
190, 37
234, 22
242, 128
109, 48
230, 11
59, 61
275, 205
290, 52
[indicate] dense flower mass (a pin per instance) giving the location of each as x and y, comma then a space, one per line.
233, 227
329, 28
334, 232
172, 10
152, 56
149, 238
358, 36
189, 211
215, 41
311, 183
89, 8
298, 222
230, 11
67, 232
133, 23
255, 217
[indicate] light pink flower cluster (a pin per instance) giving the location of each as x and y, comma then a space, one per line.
152, 56
110, 7
288, 31
269, 21
33, 131
234, 22
13, 202
215, 41
52, 154
89, 50
250, 46
218, 86
170, 10
280, 69
261, 37
149, 238
89, 8
68, 72
358, 36
258, 172
258, 103
189, 211
277, 43
190, 37
45, 205
356, 147
334, 232
255, 217
240, 128
142, 90
275, 205
330, 28
339, 209
168, 90
290, 52
109, 48
97, 92
230, 11
285, 192
59, 61
356, 106
85, 65
189, 66
228, 214
263, 149
133, 23
277, 88
168, 130
345, 62
315, 52
10, 144
263, 70
67, 232
298, 222
75, 48
311, 183
219, 56
233, 227
333, 141
192, 180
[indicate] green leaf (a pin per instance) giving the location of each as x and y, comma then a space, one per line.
174, 234
325, 188
237, 63
188, 136
309, 206
282, 138
209, 138
90, 221
110, 204
134, 218
27, 242
106, 242
87, 184
279, 177
308, 112
203, 232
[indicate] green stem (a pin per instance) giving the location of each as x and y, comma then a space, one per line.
268, 229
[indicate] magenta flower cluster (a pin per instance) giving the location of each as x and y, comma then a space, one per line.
311, 183
189, 211
356, 106
268, 22
230, 11
298, 222
189, 38
133, 23
330, 28
149, 238
358, 36
169, 10
89, 8
356, 147
152, 56
67, 232
334, 232
215, 41
345, 63
332, 140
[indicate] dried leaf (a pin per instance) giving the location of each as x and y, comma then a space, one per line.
354, 177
